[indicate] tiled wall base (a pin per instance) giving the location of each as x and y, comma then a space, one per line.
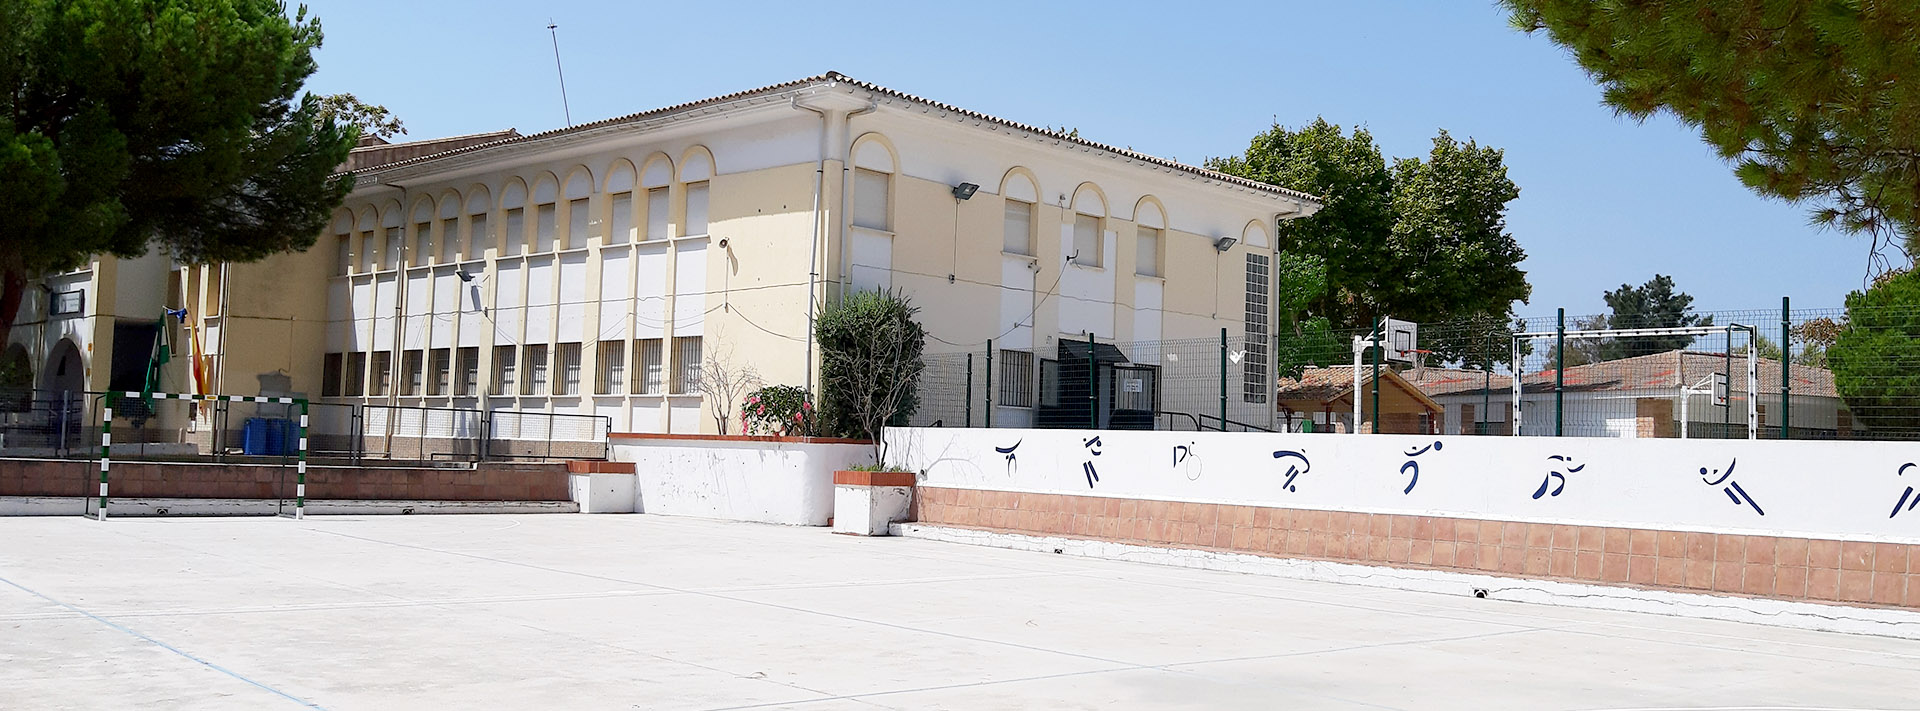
1886, 621
1761, 566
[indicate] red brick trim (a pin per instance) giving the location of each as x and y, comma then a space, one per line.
577, 466
1814, 570
736, 438
864, 478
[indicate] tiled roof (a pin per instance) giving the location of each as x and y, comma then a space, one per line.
378, 153
836, 77
1647, 372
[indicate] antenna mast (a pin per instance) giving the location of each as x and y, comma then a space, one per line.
552, 31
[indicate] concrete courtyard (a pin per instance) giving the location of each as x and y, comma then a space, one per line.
651, 612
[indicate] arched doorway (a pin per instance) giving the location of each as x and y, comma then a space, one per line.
64, 370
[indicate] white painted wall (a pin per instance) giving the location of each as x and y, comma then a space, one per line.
739, 480
1838, 490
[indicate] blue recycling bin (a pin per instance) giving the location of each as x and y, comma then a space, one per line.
266, 436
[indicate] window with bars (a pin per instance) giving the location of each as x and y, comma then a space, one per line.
331, 366
870, 199
577, 220
620, 231
546, 222
506, 370
477, 242
536, 364
411, 381
1253, 367
1087, 241
438, 362
696, 209
1147, 254
1016, 378
611, 363
354, 380
382, 367
469, 365
686, 365
651, 357
567, 361
657, 213
1019, 228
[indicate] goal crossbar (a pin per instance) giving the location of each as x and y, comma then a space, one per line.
1753, 362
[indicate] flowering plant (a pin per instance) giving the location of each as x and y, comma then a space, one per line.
778, 410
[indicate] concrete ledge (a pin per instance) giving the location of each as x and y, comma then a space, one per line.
870, 478
581, 466
1779, 613
78, 506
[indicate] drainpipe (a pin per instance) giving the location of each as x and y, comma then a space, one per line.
846, 175
813, 246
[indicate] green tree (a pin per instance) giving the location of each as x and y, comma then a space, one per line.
870, 366
1424, 240
178, 122
371, 119
1651, 305
1875, 354
1813, 102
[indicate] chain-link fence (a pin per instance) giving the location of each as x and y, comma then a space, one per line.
1798, 374
66, 424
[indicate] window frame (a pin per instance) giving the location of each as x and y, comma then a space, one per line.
1159, 236
1007, 222
1099, 241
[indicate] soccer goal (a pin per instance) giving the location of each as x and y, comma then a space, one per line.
142, 407
1685, 382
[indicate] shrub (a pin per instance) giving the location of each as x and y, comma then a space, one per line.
870, 364
778, 410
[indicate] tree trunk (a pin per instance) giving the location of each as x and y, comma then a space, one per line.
13, 290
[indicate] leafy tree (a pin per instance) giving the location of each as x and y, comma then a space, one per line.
371, 119
1303, 340
1424, 240
1584, 351
1812, 102
870, 366
130, 122
1651, 305
1875, 354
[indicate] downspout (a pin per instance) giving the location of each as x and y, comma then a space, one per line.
846, 175
813, 246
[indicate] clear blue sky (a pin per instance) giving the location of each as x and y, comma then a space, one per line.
1604, 200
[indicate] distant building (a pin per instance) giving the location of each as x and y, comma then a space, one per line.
1639, 397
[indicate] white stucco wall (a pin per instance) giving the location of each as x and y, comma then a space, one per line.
739, 480
1837, 490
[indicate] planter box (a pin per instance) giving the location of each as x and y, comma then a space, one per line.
867, 503
786, 480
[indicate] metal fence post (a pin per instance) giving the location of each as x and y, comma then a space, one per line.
1223, 379
1379, 333
1786, 368
968, 389
1093, 379
106, 448
989, 374
1560, 375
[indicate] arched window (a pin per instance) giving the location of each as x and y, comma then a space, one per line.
1089, 222
1150, 237
546, 214
368, 225
394, 244
655, 179
479, 205
1022, 193
873, 171
421, 252
619, 189
579, 213
696, 170
343, 243
514, 204
449, 237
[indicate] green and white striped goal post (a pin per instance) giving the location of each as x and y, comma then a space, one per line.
106, 437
